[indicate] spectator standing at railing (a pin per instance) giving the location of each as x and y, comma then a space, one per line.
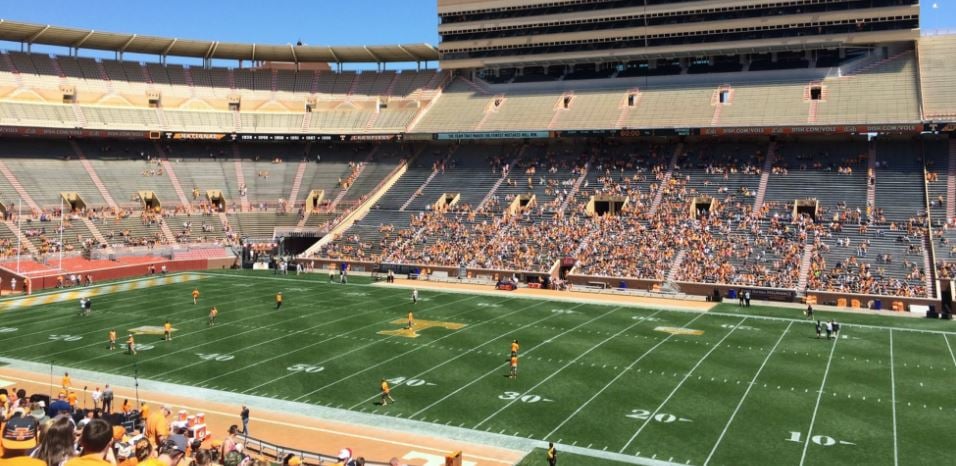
244, 416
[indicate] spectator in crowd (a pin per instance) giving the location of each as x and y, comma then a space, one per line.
58, 440
95, 441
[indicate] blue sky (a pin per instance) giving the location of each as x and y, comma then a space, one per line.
315, 22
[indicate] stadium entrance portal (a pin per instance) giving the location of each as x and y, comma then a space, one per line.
605, 205
73, 201
806, 207
446, 200
702, 206
314, 200
521, 204
150, 201
217, 200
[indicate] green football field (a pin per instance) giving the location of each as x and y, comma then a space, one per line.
731, 386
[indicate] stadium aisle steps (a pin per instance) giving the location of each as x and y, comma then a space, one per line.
168, 169
951, 182
805, 262
93, 176
296, 186
24, 241
871, 175
18, 187
765, 176
667, 177
240, 178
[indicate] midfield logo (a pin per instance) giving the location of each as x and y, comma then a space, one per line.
419, 326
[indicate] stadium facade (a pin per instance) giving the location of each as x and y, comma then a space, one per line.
708, 127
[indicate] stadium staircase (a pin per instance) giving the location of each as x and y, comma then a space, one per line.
671, 277
56, 68
24, 241
18, 187
371, 120
718, 105
391, 86
360, 211
504, 176
871, 175
161, 117
361, 168
306, 121
274, 85
805, 263
577, 186
417, 191
94, 231
93, 176
659, 195
167, 232
812, 112
296, 185
626, 109
951, 182
353, 87
929, 272
240, 178
105, 77
168, 169
236, 122
78, 114
765, 177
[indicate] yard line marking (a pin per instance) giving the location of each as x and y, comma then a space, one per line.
135, 362
747, 392
681, 383
554, 373
950, 350
498, 368
896, 454
788, 319
419, 375
411, 351
101, 331
290, 374
813, 418
615, 379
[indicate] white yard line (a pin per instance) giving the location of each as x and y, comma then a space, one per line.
842, 325
746, 393
951, 355
420, 374
813, 418
556, 372
374, 324
680, 384
498, 369
896, 453
412, 351
617, 377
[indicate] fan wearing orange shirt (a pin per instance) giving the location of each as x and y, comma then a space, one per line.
66, 382
167, 331
71, 398
196, 296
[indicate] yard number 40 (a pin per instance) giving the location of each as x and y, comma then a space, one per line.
822, 440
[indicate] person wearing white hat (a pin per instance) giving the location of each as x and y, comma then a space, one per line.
345, 457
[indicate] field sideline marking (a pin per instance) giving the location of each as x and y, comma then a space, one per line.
950, 350
420, 374
498, 368
813, 418
681, 383
400, 355
896, 455
63, 290
602, 303
619, 375
291, 373
556, 372
746, 393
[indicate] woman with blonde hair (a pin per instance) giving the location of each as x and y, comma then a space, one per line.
58, 442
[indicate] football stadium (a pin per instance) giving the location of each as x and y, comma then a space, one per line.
574, 232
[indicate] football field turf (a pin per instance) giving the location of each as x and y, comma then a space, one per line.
730, 386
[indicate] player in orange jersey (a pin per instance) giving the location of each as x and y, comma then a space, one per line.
112, 337
514, 348
386, 393
167, 331
131, 345
196, 296
514, 367
212, 316
411, 321
278, 300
